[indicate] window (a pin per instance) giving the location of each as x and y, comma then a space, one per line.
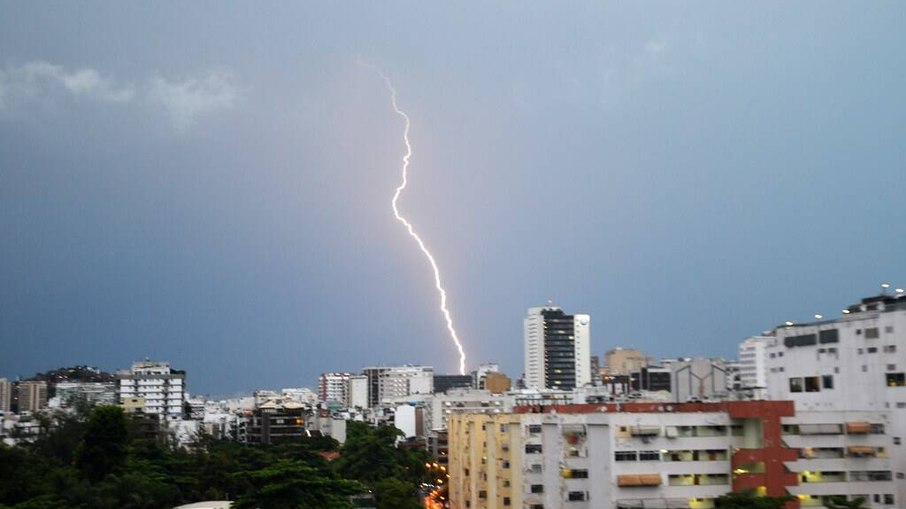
891, 367
877, 429
811, 384
859, 351
827, 381
872, 333
625, 456
873, 350
577, 473
537, 488
534, 428
803, 340
576, 496
896, 440
649, 456
482, 494
829, 336
533, 448
506, 501
890, 348
505, 464
888, 499
831, 350
888, 329
896, 379
901, 475
795, 384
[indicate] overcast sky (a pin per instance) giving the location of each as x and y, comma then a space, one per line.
210, 183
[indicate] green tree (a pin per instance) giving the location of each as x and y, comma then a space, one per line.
369, 453
842, 503
749, 500
293, 485
104, 446
391, 493
21, 475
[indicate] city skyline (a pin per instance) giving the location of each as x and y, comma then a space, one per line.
687, 175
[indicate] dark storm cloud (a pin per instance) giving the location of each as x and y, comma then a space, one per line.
210, 183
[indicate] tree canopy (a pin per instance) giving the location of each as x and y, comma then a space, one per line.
96, 461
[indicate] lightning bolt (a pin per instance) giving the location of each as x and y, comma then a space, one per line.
411, 230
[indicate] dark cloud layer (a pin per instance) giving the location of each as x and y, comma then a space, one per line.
210, 184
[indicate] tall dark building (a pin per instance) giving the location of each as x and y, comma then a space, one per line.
557, 349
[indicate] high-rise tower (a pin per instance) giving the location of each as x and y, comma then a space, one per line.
557, 349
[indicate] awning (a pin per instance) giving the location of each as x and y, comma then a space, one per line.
860, 450
858, 428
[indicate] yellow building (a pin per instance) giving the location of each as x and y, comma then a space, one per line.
623, 361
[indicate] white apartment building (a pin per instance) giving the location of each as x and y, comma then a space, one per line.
357, 392
752, 365
388, 382
557, 349
6, 395
652, 455
161, 388
853, 363
334, 387
460, 401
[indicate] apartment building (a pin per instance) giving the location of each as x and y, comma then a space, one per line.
334, 387
652, 455
161, 388
32, 395
856, 362
6, 395
557, 349
752, 367
388, 382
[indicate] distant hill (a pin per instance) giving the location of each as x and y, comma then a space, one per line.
72, 374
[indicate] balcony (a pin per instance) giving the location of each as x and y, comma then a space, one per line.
698, 480
744, 456
808, 477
